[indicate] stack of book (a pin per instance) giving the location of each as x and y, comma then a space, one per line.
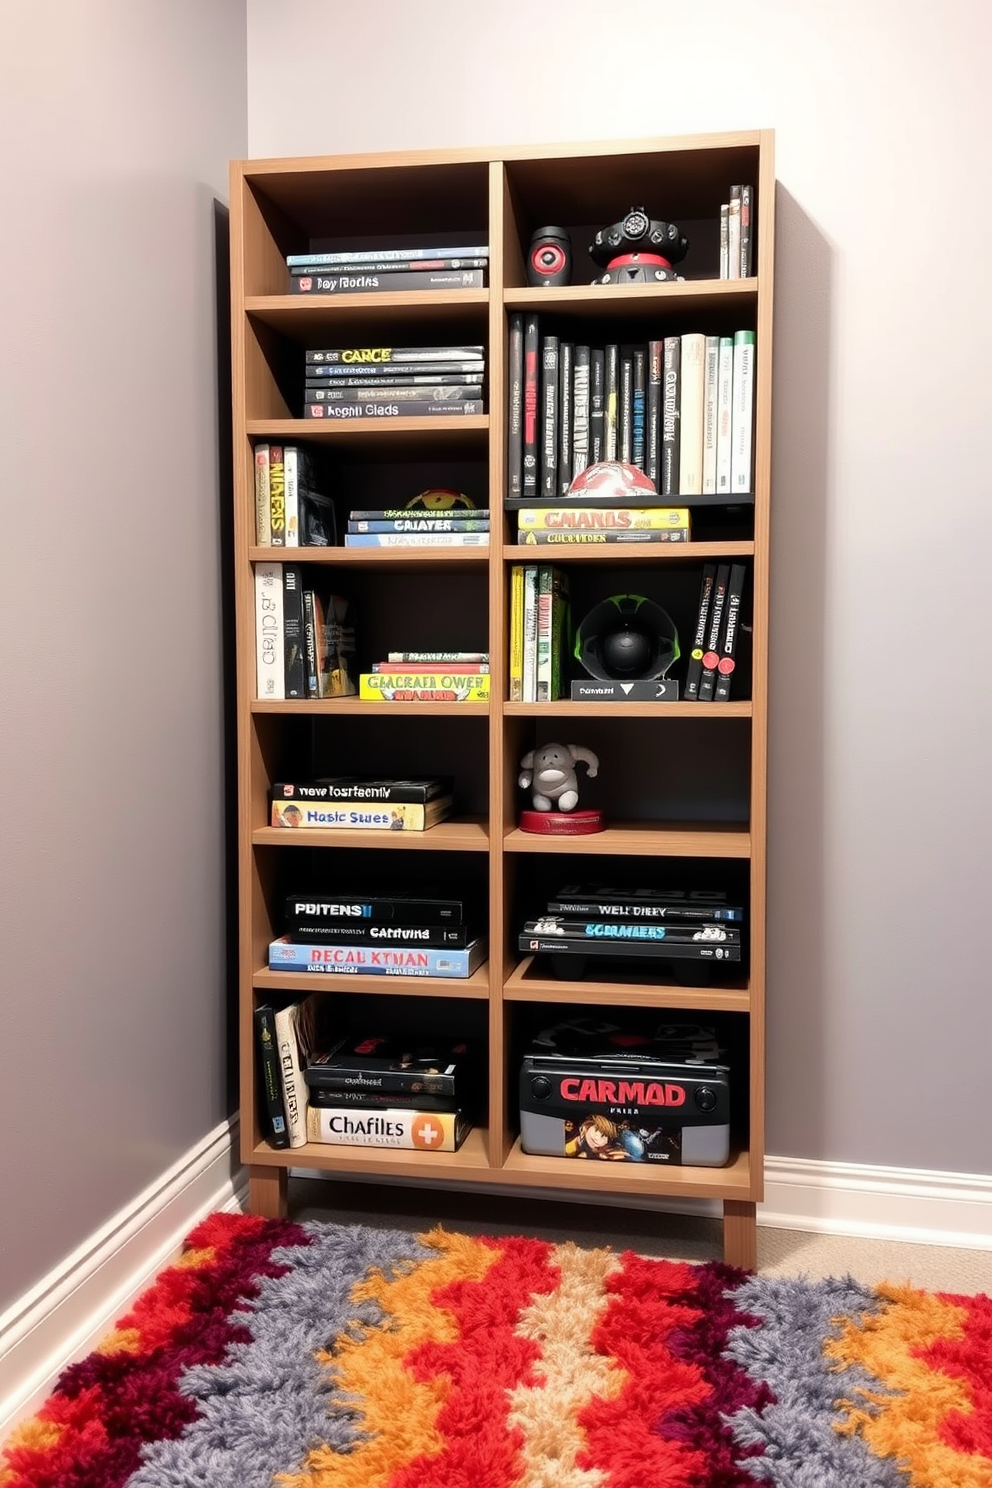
713, 657
427, 676
387, 1092
735, 234
539, 633
358, 803
566, 523
591, 923
385, 270
304, 640
381, 934
679, 409
290, 512
402, 528
394, 382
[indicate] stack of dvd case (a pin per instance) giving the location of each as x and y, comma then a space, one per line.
358, 803
390, 1092
386, 933
386, 382
592, 925
386, 270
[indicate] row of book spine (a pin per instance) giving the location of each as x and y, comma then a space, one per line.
713, 658
304, 641
539, 633
680, 409
735, 234
289, 511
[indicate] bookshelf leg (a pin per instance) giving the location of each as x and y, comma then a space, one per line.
740, 1234
267, 1192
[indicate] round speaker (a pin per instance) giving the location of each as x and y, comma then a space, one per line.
550, 258
627, 638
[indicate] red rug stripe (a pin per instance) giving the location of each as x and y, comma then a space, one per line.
968, 1359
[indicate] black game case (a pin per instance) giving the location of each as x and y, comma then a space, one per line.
445, 1067
380, 356
673, 906
597, 375
293, 632
566, 366
515, 409
549, 417
707, 679
729, 632
272, 1110
695, 668
386, 907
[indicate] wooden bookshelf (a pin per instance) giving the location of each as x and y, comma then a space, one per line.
704, 799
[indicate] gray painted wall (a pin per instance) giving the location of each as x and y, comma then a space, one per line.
116, 125
881, 716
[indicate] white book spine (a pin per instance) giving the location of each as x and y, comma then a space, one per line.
734, 234
710, 408
294, 1088
263, 518
724, 407
725, 241
691, 412
270, 665
530, 634
291, 466
743, 415
544, 597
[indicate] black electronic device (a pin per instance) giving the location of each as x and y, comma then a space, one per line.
549, 260
638, 249
627, 638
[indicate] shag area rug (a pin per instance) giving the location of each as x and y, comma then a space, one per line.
331, 1356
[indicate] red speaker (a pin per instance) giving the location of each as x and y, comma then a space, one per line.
550, 258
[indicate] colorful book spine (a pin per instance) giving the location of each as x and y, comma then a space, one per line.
545, 583
516, 633
559, 631
695, 668
652, 413
291, 469
271, 1107
616, 519
277, 496
530, 634
531, 470
419, 1131
691, 414
311, 260
549, 417
566, 372
422, 408
670, 417
446, 392
383, 356
270, 673
742, 422
710, 413
515, 410
452, 687
351, 960
416, 523
625, 417
416, 539
639, 394
263, 521
567, 535
359, 282
394, 374
437, 658
400, 816
384, 265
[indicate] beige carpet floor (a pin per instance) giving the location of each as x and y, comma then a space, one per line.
678, 1237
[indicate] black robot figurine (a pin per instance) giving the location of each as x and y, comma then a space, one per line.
638, 250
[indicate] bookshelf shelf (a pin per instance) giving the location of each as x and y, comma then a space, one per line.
701, 807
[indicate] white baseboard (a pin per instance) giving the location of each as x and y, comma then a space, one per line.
76, 1304
71, 1309
913, 1205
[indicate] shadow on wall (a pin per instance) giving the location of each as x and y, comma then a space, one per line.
798, 1084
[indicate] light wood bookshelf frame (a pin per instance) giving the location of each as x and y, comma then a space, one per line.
277, 206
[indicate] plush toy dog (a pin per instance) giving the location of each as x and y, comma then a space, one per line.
552, 771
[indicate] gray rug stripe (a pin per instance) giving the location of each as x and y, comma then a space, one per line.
266, 1406
801, 1447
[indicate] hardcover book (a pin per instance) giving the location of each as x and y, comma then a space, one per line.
284, 955
447, 685
398, 906
422, 1131
336, 788
304, 815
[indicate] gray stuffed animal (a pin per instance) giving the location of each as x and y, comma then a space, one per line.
552, 771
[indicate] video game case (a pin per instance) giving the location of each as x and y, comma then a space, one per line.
270, 665
652, 413
707, 676
611, 399
329, 638
562, 537
416, 539
680, 907
727, 647
399, 513
567, 516
597, 405
338, 788
321, 283
438, 658
566, 413
319, 1097
277, 496
445, 393
272, 1110
516, 667
695, 667
549, 416
399, 907
640, 406
415, 523
532, 376
515, 406
746, 255
421, 1131
263, 518
577, 931
404, 936
365, 409
429, 668
625, 416
380, 356
670, 432
352, 255
401, 1064
286, 955
530, 634
443, 687
386, 266
537, 943
306, 816
394, 374
294, 643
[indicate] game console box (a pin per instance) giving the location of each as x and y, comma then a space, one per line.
599, 1091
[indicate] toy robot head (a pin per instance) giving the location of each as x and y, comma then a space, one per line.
638, 250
